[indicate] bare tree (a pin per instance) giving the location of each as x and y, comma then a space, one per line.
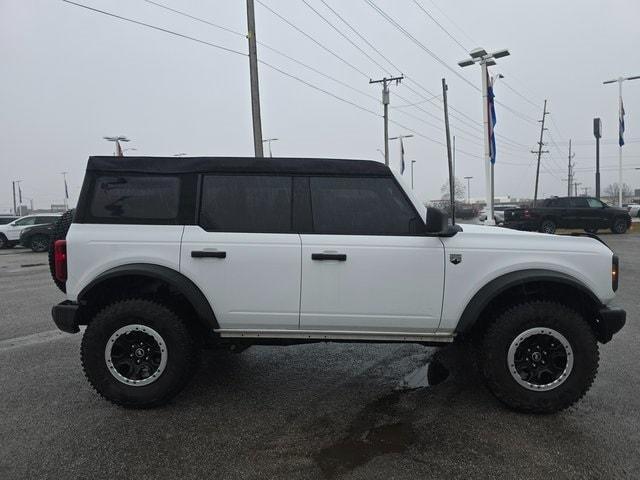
459, 190
612, 190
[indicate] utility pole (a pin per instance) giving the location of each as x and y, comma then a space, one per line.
484, 59
385, 102
619, 80
452, 189
15, 210
468, 179
585, 191
253, 73
597, 132
66, 190
540, 144
575, 188
570, 174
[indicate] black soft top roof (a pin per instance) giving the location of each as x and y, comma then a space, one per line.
301, 166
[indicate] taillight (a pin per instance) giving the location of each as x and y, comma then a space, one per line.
60, 260
615, 272
527, 214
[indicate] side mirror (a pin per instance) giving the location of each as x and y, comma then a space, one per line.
436, 220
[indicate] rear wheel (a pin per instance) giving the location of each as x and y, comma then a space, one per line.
137, 353
4, 243
39, 243
548, 226
539, 357
619, 226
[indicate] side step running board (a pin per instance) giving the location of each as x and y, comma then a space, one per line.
444, 337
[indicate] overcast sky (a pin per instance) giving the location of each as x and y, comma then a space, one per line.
71, 76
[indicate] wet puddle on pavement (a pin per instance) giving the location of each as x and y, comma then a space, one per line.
427, 375
382, 427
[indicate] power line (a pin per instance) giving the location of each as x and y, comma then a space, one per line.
171, 32
462, 30
424, 10
531, 102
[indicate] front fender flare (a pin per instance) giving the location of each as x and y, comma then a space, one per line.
491, 290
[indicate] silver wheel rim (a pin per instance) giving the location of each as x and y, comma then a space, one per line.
138, 329
557, 336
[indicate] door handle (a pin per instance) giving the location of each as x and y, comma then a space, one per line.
208, 254
341, 257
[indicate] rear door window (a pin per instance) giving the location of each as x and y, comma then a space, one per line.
579, 203
135, 199
362, 206
247, 203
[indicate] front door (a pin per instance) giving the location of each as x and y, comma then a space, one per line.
368, 266
243, 255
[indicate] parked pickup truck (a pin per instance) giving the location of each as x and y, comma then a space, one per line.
587, 213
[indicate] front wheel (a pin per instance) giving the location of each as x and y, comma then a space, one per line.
619, 226
137, 353
539, 357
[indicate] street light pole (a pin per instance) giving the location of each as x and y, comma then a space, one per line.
480, 55
619, 81
468, 179
268, 141
400, 137
117, 140
412, 162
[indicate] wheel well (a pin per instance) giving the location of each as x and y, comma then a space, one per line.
120, 287
566, 294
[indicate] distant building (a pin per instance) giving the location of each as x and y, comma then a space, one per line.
58, 207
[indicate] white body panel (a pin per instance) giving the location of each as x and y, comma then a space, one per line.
95, 248
257, 285
490, 252
387, 283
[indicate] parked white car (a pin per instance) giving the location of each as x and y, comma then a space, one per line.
634, 210
163, 258
498, 213
10, 232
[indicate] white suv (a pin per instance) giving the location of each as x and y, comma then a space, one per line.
165, 257
10, 232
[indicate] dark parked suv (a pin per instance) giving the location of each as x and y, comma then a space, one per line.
587, 213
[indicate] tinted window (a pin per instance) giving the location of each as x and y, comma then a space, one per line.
40, 220
136, 197
594, 203
558, 202
362, 206
246, 203
26, 221
579, 203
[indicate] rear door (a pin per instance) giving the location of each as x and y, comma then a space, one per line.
243, 254
581, 215
367, 266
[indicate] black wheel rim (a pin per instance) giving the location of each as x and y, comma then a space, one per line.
136, 355
540, 359
39, 244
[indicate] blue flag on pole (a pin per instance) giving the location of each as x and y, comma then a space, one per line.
621, 126
492, 119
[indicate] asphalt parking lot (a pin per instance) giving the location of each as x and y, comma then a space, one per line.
316, 411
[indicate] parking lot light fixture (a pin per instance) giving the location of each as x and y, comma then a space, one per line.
484, 59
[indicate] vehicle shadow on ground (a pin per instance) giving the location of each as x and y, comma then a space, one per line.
363, 422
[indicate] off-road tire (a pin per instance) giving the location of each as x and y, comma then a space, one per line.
512, 323
619, 226
39, 243
60, 229
548, 226
182, 354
